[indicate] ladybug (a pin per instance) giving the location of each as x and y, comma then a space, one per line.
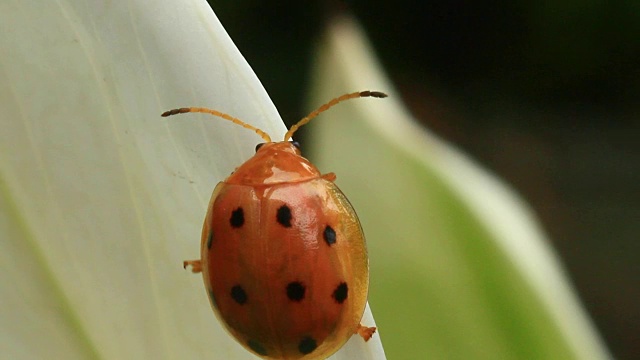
283, 255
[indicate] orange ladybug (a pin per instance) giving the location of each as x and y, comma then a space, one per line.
283, 255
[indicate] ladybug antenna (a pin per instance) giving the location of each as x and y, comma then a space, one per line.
237, 121
339, 99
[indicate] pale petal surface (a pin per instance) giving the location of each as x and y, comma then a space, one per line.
101, 199
460, 266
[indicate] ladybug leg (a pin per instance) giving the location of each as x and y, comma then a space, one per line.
365, 332
329, 176
196, 265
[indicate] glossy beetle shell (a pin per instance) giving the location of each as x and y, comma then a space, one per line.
288, 284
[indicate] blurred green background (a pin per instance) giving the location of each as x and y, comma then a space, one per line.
543, 93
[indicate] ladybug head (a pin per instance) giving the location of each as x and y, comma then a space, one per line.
294, 143
293, 129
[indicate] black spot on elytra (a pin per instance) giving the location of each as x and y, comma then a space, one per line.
329, 235
307, 345
340, 293
284, 216
238, 294
209, 239
257, 347
237, 218
295, 291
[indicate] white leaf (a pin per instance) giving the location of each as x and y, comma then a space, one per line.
101, 199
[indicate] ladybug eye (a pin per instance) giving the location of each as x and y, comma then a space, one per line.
296, 144
259, 146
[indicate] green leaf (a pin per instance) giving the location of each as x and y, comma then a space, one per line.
460, 267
